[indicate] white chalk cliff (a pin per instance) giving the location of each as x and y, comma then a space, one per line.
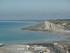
53, 27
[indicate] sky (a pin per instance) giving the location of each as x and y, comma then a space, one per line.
34, 9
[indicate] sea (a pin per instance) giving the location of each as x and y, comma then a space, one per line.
11, 32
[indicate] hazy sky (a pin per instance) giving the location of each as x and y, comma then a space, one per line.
34, 9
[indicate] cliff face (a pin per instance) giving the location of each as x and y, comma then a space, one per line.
53, 27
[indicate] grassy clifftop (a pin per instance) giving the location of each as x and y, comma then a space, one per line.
60, 21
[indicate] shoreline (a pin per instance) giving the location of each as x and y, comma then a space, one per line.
67, 42
40, 28
49, 24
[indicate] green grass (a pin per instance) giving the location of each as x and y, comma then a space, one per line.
59, 21
69, 49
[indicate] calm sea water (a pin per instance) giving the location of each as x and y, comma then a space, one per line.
11, 32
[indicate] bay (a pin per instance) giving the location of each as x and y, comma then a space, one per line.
11, 32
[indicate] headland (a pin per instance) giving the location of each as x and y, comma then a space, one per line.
59, 26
